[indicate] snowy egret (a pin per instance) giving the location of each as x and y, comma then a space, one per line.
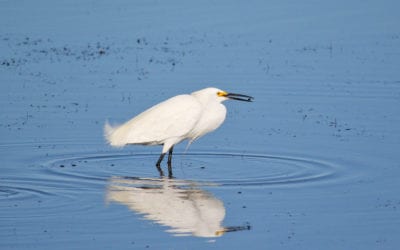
174, 120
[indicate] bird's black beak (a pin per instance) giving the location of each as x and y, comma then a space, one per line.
232, 229
240, 97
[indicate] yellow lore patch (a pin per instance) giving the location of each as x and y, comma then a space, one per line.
222, 93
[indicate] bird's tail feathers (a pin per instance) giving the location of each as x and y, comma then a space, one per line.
111, 135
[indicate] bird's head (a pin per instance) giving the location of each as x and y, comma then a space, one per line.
220, 95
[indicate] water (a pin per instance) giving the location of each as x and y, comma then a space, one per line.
311, 164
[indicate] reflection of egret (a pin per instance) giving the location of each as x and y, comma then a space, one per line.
178, 204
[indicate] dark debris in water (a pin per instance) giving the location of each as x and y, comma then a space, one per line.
29, 50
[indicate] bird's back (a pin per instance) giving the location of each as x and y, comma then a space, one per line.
173, 118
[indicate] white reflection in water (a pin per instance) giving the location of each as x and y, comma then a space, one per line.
178, 204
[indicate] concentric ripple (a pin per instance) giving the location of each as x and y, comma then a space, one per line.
262, 169
68, 175
222, 169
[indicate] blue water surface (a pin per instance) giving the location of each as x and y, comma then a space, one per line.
312, 163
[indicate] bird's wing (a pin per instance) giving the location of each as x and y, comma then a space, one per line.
172, 118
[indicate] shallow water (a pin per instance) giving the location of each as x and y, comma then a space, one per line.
313, 163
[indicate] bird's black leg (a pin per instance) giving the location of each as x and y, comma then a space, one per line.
160, 171
158, 164
170, 155
170, 162
160, 159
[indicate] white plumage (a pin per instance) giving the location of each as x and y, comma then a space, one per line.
174, 120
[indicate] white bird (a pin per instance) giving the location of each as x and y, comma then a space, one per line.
174, 120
